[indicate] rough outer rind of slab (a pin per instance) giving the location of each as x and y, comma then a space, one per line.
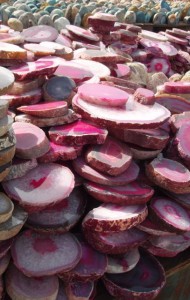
143, 293
3, 108
7, 155
178, 187
124, 195
14, 224
115, 242
50, 248
7, 147
6, 208
20, 167
8, 140
4, 262
31, 141
19, 286
132, 218
70, 117
4, 170
5, 125
107, 117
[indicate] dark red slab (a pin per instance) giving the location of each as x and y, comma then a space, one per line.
146, 280
31, 97
132, 193
53, 249
60, 217
85, 171
43, 66
78, 133
147, 138
112, 217
60, 152
29, 190
47, 110
133, 115
112, 158
69, 117
91, 266
115, 242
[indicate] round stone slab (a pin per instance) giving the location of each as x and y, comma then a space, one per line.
82, 33
6, 208
153, 36
5, 125
46, 110
42, 186
112, 217
21, 286
39, 50
102, 95
58, 88
145, 281
51, 254
74, 71
4, 104
9, 51
31, 141
133, 115
41, 33
29, 70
